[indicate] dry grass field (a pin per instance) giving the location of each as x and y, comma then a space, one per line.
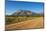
35, 23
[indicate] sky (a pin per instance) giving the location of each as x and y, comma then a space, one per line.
13, 6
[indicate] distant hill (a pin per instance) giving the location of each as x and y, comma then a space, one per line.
22, 13
26, 13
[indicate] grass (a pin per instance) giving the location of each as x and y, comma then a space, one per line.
34, 23
10, 20
16, 19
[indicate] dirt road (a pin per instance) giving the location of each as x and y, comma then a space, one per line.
34, 23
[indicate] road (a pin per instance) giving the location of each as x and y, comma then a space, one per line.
30, 24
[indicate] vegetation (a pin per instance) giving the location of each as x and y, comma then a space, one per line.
16, 17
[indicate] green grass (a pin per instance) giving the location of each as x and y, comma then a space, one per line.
15, 19
10, 20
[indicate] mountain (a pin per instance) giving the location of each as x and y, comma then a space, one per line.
26, 13
22, 13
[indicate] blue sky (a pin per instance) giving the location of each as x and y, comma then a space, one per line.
12, 6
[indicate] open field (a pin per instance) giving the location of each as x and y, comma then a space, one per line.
34, 23
14, 19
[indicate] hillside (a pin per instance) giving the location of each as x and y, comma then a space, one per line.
22, 13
